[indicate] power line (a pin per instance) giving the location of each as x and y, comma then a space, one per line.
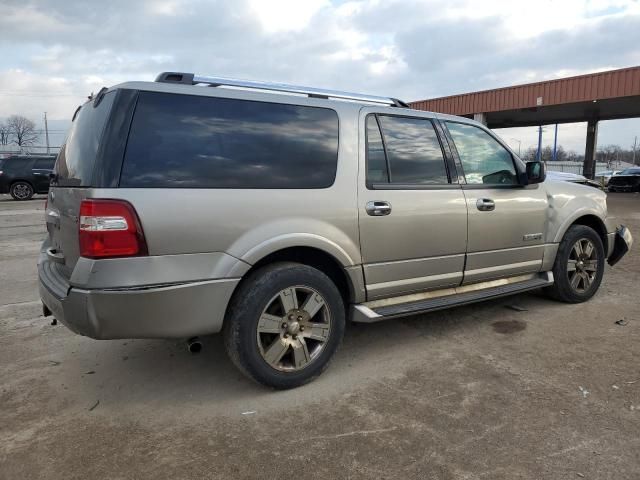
50, 131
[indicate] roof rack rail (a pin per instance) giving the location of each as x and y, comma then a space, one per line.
192, 79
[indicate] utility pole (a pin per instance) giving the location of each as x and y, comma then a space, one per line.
635, 142
46, 131
539, 153
555, 143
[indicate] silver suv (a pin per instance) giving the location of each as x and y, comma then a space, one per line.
274, 214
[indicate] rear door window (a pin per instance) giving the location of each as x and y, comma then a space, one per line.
187, 141
44, 163
413, 152
77, 158
377, 168
19, 165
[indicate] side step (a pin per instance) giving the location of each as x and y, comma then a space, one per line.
378, 310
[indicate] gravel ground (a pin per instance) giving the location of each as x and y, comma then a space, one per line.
476, 392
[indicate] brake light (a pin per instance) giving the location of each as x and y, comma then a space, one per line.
110, 228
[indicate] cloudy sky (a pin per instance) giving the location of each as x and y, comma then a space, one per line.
56, 52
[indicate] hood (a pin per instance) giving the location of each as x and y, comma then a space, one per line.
565, 176
560, 193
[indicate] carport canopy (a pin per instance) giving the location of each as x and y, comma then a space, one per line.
588, 98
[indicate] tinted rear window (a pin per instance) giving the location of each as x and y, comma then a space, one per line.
44, 163
74, 166
413, 151
18, 164
180, 141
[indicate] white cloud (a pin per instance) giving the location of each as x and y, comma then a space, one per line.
285, 15
166, 7
55, 53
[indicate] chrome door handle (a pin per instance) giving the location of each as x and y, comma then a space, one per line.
378, 208
485, 204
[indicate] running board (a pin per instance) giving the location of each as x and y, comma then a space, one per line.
378, 310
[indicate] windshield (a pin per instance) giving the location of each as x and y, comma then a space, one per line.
630, 171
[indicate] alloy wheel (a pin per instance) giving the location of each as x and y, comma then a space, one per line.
294, 328
582, 266
22, 191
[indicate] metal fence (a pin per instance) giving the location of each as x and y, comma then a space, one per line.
573, 167
7, 150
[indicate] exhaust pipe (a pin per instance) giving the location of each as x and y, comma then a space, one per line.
194, 345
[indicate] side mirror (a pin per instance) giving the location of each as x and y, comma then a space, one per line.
536, 172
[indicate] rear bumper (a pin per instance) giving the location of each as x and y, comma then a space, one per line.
167, 311
622, 241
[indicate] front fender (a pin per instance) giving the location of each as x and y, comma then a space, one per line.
571, 219
568, 202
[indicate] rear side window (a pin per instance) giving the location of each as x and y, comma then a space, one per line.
44, 163
77, 157
413, 152
180, 141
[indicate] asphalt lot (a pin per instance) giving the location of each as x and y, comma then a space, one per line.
477, 392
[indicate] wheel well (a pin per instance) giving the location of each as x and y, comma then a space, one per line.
595, 223
20, 180
315, 258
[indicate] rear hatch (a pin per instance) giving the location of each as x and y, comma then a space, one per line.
73, 176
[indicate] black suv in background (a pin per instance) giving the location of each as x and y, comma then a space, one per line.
25, 175
627, 180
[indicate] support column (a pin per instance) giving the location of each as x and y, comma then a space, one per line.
480, 117
589, 167
539, 151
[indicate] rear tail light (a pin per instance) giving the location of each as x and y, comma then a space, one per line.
110, 228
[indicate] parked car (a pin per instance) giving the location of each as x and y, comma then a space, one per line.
573, 178
603, 177
178, 210
626, 181
24, 175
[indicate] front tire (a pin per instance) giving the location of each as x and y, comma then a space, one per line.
21, 191
579, 265
284, 324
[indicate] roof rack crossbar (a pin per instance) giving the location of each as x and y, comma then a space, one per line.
192, 79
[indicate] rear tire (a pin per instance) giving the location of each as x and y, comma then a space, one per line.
21, 191
579, 266
284, 324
